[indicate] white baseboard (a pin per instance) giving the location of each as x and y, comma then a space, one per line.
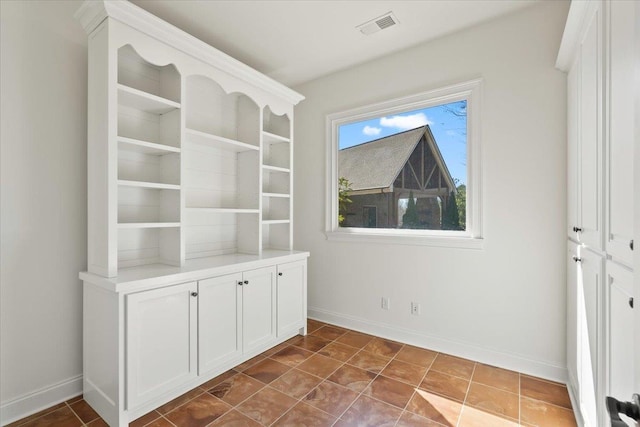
488, 356
573, 396
38, 400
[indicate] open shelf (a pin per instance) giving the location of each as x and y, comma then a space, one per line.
272, 138
276, 169
275, 221
142, 184
215, 141
281, 195
145, 147
223, 210
145, 101
275, 127
148, 225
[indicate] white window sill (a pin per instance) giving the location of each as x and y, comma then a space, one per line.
406, 237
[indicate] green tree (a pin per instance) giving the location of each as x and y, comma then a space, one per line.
461, 202
410, 218
450, 218
344, 187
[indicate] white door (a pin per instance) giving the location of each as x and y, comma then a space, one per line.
291, 290
161, 341
573, 335
258, 308
621, 131
590, 154
619, 327
219, 321
572, 149
589, 290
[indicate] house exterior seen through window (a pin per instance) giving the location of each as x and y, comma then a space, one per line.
407, 170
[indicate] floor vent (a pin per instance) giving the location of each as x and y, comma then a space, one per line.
380, 23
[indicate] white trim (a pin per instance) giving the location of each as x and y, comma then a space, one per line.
516, 362
472, 237
93, 12
403, 237
36, 401
573, 30
575, 402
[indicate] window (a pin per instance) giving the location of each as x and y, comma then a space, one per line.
407, 170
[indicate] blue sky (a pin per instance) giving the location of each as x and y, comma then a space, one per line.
449, 130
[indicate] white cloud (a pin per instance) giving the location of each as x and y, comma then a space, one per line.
411, 121
451, 133
371, 131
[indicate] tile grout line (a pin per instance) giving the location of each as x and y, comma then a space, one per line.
519, 399
464, 401
367, 386
82, 423
415, 388
321, 379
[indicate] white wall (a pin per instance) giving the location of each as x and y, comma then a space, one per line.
504, 304
43, 202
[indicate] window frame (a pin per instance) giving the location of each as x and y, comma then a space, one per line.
471, 237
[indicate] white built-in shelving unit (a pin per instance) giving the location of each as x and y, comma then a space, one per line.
191, 267
196, 160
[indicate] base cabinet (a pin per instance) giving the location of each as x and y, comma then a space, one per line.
258, 308
292, 296
219, 303
620, 358
236, 315
150, 340
161, 341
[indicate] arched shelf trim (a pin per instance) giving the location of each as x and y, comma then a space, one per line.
145, 70
211, 109
277, 124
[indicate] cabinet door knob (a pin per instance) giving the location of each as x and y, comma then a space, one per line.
240, 283
280, 274
194, 294
246, 282
631, 302
577, 259
577, 229
631, 245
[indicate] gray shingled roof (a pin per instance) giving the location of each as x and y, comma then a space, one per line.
376, 164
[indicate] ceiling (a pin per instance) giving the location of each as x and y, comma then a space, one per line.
295, 41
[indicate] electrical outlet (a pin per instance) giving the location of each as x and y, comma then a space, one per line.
385, 303
415, 308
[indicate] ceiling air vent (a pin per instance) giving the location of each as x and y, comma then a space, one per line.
380, 23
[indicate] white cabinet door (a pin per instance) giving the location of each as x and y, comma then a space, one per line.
258, 308
620, 332
161, 341
219, 321
589, 289
621, 115
572, 149
292, 278
572, 315
590, 155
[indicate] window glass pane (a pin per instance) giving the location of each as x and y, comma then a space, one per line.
407, 170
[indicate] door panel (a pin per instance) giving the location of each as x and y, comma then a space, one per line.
590, 149
621, 131
620, 332
291, 296
572, 148
589, 299
219, 321
258, 308
161, 341
572, 314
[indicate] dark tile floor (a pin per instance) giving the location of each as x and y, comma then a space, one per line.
335, 376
